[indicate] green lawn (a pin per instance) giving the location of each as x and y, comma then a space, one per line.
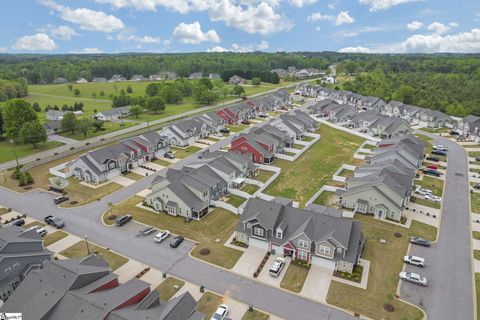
83, 194
54, 237
294, 278
249, 188
346, 173
185, 152
3, 211
431, 183
385, 264
35, 223
208, 304
425, 202
325, 199
474, 154
255, 315
169, 287
476, 235
235, 200
79, 250
477, 287
134, 176
264, 175
308, 139
475, 202
298, 146
300, 179
23, 150
109, 127
476, 254
436, 130
237, 127
162, 162
218, 224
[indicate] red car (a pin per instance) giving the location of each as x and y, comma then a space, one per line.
432, 166
245, 122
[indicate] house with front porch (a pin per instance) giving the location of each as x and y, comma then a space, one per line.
259, 148
433, 119
468, 127
185, 132
214, 122
307, 235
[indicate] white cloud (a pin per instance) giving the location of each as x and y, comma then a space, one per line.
414, 25
317, 29
181, 6
358, 31
262, 46
193, 34
465, 42
453, 24
376, 5
137, 39
36, 42
355, 50
438, 28
301, 3
342, 18
88, 51
63, 32
87, 19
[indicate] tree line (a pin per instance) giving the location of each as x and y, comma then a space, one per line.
10, 89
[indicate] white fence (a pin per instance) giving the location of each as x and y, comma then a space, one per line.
61, 171
226, 206
265, 167
333, 125
336, 175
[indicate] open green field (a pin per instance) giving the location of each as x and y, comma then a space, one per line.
385, 264
23, 150
108, 126
300, 179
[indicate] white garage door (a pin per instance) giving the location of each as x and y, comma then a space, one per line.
258, 243
278, 249
323, 262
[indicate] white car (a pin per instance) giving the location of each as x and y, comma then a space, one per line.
221, 313
413, 278
414, 261
277, 267
162, 235
440, 147
431, 197
42, 232
423, 192
218, 134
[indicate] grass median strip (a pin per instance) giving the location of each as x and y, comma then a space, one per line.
425, 202
162, 162
255, 315
169, 287
54, 237
208, 304
475, 202
80, 249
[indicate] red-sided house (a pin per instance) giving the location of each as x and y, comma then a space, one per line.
228, 115
260, 149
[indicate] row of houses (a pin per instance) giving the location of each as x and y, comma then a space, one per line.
262, 143
315, 234
468, 128
86, 288
383, 185
412, 114
191, 191
298, 73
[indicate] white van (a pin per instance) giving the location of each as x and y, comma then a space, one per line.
414, 260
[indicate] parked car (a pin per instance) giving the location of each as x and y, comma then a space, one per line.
476, 186
420, 241
432, 158
169, 155
244, 98
18, 222
120, 221
439, 152
432, 197
42, 232
432, 166
262, 115
423, 192
224, 130
453, 132
54, 221
221, 313
277, 267
431, 172
176, 241
162, 235
414, 260
413, 278
245, 122
59, 200
218, 134
440, 147
31, 228
477, 158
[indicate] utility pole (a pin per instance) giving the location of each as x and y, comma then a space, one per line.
12, 141
86, 241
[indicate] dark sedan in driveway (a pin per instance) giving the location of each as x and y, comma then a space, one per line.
176, 241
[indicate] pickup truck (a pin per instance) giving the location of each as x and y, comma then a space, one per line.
54, 221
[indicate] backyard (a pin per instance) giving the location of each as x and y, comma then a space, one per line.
300, 179
385, 264
218, 224
325, 199
249, 188
235, 200
264, 175
184, 152
79, 250
23, 150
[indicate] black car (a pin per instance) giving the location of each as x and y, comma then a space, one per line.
17, 222
477, 158
224, 130
476, 186
54, 221
176, 241
59, 200
120, 221
431, 158
432, 172
420, 241
439, 152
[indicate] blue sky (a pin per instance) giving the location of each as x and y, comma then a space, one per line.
112, 26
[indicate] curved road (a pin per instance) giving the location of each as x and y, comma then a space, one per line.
449, 294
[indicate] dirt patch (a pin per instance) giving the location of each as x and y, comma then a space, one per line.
397, 235
388, 307
204, 252
73, 202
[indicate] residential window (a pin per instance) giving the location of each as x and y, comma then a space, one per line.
258, 232
303, 244
249, 225
8, 270
16, 265
205, 193
302, 255
279, 234
325, 250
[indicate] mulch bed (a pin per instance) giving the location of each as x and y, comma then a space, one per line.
204, 252
397, 235
388, 307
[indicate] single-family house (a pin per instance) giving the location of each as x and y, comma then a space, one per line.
303, 234
214, 76
99, 79
280, 72
60, 80
259, 148
113, 114
52, 126
213, 121
195, 76
344, 114
81, 80
55, 114
236, 80
469, 127
434, 119
186, 132
138, 78
117, 78
390, 127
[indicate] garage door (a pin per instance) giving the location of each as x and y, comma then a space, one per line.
278, 249
323, 262
258, 243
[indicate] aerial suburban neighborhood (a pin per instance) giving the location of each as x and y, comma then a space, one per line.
243, 160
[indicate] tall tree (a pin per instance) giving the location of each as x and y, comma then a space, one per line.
76, 92
69, 122
155, 104
16, 113
136, 111
238, 90
32, 133
83, 125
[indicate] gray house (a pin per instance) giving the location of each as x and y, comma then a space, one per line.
213, 121
389, 127
20, 253
86, 289
315, 235
55, 114
113, 114
186, 132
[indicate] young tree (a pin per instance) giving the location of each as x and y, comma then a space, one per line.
129, 89
136, 111
83, 125
69, 123
94, 95
70, 87
225, 91
238, 90
98, 124
102, 93
205, 82
76, 92
155, 104
65, 107
256, 81
32, 133
36, 107
16, 112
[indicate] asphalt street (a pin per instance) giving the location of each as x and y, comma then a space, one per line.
448, 265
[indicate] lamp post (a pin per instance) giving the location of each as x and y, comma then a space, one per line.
148, 123
12, 141
86, 241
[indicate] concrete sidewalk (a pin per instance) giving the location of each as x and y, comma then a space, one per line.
129, 270
64, 243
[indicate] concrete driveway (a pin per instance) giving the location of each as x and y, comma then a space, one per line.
317, 283
267, 278
249, 261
